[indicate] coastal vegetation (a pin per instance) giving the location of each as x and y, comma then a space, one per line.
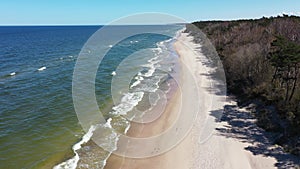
261, 59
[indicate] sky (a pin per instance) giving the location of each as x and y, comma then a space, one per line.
99, 12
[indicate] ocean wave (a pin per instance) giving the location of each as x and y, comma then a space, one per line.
68, 58
151, 84
128, 102
12, 74
113, 73
72, 162
136, 41
42, 68
152, 65
138, 79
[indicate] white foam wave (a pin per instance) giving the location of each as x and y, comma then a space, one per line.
42, 68
127, 128
168, 40
150, 72
109, 143
67, 58
152, 66
107, 138
12, 74
136, 41
138, 79
72, 163
108, 123
128, 102
158, 50
151, 85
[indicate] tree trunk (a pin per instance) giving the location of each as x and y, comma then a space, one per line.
274, 75
295, 83
287, 84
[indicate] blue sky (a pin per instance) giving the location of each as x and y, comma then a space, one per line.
95, 12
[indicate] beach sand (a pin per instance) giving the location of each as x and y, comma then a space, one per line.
217, 151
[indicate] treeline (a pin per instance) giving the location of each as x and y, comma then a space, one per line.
261, 59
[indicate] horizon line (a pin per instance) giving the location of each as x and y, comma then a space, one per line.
200, 20
90, 24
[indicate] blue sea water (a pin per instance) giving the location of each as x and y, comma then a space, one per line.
38, 124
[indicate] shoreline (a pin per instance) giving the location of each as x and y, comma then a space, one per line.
204, 146
147, 130
79, 162
182, 152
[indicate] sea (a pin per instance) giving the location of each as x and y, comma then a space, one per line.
39, 127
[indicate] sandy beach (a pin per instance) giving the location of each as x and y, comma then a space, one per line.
203, 146
150, 85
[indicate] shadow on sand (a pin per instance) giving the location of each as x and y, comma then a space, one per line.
242, 126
